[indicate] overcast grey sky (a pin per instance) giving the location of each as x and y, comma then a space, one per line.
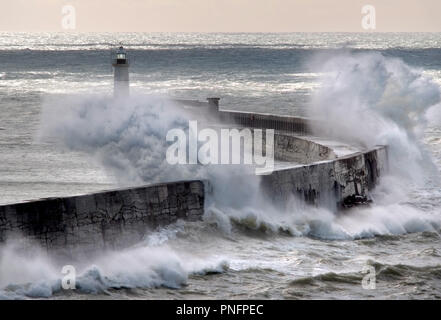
220, 15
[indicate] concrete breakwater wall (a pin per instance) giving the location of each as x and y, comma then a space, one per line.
110, 219
265, 121
296, 149
300, 125
287, 147
329, 183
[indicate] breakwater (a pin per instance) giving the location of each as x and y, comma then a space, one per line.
332, 183
306, 167
103, 220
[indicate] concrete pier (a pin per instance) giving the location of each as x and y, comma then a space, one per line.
109, 219
330, 183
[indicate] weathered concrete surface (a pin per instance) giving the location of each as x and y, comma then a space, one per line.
328, 183
102, 220
299, 150
287, 147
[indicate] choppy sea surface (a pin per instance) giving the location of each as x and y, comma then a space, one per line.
236, 252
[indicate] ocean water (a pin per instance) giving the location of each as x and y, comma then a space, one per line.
60, 135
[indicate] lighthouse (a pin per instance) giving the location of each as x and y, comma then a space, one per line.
120, 63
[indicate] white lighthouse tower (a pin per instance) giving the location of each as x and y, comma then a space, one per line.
120, 63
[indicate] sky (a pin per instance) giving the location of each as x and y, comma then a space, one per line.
218, 15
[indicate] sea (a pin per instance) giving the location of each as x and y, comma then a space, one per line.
62, 134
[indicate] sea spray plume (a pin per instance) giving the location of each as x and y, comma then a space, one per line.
433, 116
127, 136
369, 99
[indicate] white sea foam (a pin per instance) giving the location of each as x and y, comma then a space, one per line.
35, 275
357, 223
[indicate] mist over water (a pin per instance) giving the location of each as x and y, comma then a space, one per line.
362, 98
